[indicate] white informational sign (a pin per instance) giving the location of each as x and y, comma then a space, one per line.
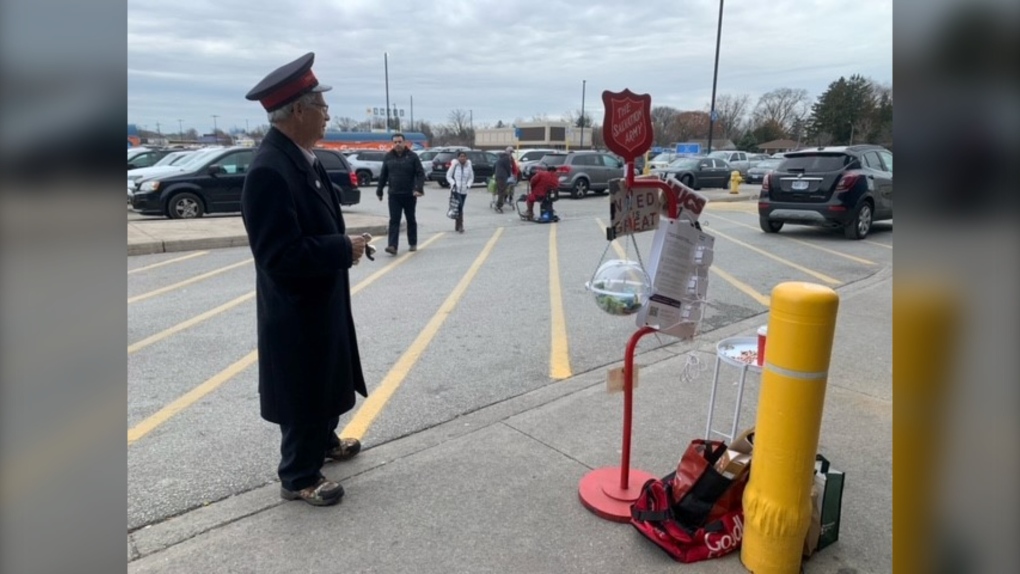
633, 210
680, 259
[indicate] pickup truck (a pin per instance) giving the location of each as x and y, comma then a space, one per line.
738, 160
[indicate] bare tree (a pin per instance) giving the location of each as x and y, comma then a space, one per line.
460, 121
664, 124
689, 126
345, 124
540, 118
782, 106
732, 113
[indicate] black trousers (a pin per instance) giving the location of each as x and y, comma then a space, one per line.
403, 204
302, 452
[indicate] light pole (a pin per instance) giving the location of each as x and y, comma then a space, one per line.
180, 128
715, 78
386, 71
215, 130
246, 126
583, 84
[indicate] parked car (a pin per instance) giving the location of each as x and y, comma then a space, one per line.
738, 160
757, 172
847, 188
582, 171
186, 164
367, 165
215, 182
145, 157
426, 157
482, 162
526, 158
697, 172
662, 160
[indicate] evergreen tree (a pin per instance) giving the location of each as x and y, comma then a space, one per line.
847, 111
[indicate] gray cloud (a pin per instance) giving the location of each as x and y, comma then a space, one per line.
502, 60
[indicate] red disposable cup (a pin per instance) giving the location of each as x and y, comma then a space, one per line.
762, 332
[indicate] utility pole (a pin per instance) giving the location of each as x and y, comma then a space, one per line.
386, 70
396, 116
715, 78
583, 84
215, 130
180, 128
412, 113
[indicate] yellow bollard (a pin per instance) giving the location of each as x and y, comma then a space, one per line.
777, 500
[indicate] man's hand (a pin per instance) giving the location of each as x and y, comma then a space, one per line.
419, 193
379, 195
358, 243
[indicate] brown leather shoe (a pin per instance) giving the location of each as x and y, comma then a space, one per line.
323, 493
346, 450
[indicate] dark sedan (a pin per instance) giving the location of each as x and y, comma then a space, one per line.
697, 172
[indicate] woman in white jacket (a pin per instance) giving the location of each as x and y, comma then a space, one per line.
460, 175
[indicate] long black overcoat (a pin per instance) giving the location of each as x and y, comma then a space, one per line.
309, 366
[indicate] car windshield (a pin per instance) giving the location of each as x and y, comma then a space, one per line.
553, 159
196, 159
720, 154
172, 158
663, 157
533, 155
769, 163
815, 162
684, 163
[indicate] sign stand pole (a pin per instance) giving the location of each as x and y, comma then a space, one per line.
609, 492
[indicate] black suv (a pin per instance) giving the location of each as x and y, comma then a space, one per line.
482, 162
842, 187
215, 185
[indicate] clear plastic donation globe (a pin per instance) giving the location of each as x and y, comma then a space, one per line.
620, 287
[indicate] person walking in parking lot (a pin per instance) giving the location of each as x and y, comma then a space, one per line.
460, 176
402, 170
504, 174
309, 365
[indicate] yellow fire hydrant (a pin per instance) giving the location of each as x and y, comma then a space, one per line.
735, 181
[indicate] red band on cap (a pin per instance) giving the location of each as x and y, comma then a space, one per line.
289, 90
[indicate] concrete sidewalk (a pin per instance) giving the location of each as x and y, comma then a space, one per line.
168, 235
496, 489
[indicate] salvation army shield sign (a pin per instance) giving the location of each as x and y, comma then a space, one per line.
628, 123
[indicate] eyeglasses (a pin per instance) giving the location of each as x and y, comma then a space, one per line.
322, 107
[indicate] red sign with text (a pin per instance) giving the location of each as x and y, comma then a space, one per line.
627, 123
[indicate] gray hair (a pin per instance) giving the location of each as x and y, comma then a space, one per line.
281, 114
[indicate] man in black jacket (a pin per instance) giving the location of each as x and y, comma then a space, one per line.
403, 172
309, 365
504, 172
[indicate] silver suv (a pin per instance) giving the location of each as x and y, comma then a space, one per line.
583, 171
367, 165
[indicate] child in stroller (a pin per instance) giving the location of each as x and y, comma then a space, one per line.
542, 187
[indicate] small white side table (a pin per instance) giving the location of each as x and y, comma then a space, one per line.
730, 351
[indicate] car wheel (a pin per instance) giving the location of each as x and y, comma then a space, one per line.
443, 183
580, 188
769, 226
364, 178
185, 205
688, 181
860, 225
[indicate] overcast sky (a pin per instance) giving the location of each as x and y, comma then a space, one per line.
191, 59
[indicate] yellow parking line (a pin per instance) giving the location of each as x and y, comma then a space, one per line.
764, 300
802, 242
876, 243
375, 402
801, 268
616, 244
191, 397
168, 262
187, 282
189, 323
559, 350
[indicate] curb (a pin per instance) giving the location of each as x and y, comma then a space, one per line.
175, 245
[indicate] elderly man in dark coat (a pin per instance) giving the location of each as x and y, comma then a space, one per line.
309, 366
